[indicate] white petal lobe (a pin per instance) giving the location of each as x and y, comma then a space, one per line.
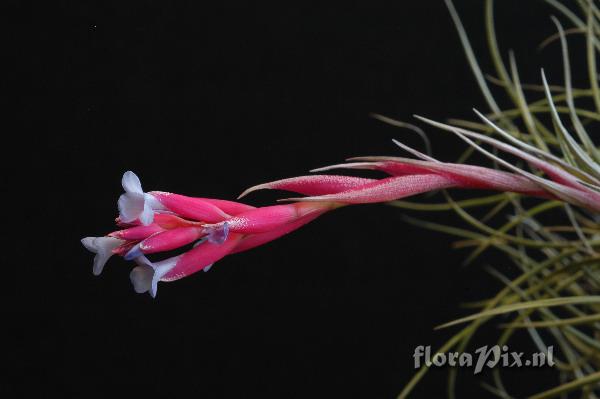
131, 183
141, 278
131, 206
102, 247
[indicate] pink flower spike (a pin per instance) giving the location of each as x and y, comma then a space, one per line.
188, 207
313, 185
387, 189
262, 220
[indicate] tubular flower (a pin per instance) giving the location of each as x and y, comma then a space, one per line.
157, 222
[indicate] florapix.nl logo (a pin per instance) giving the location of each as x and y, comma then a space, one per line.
485, 356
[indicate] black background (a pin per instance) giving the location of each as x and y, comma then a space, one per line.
207, 99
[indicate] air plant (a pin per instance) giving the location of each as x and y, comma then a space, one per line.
552, 243
558, 263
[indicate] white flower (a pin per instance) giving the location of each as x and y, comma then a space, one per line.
102, 247
134, 203
146, 275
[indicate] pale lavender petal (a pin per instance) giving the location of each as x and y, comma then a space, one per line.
103, 248
131, 183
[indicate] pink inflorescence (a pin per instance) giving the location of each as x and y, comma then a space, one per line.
157, 221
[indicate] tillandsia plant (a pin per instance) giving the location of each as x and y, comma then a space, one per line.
557, 164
